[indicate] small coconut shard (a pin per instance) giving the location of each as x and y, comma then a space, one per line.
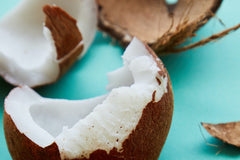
64, 30
40, 40
155, 22
113, 126
227, 132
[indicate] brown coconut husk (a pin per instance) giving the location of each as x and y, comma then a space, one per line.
161, 26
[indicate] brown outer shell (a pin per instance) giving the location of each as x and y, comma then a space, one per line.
66, 35
144, 143
168, 39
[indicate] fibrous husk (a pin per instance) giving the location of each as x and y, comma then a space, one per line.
155, 22
227, 132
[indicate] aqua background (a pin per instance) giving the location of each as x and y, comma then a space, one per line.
206, 84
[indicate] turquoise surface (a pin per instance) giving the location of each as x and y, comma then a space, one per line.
206, 84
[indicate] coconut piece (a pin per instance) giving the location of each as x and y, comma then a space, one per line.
227, 132
40, 40
113, 126
155, 22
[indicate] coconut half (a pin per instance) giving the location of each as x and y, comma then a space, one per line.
41, 39
130, 122
163, 26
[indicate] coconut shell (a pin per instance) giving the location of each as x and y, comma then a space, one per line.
155, 22
227, 132
66, 36
63, 29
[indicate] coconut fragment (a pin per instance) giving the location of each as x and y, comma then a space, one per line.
40, 40
115, 125
227, 132
163, 26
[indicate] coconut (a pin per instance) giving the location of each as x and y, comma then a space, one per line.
41, 39
132, 121
163, 26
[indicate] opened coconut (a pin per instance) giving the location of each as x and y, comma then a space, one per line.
130, 122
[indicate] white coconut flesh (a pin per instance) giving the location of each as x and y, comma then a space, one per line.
27, 51
79, 127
